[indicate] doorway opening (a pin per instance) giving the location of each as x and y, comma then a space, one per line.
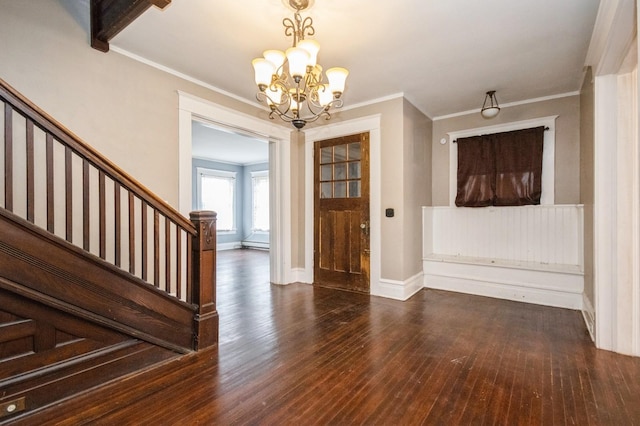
231, 176
277, 139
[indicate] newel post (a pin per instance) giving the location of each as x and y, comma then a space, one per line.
204, 279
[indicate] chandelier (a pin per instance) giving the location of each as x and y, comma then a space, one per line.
291, 83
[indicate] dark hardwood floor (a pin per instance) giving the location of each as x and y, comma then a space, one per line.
303, 355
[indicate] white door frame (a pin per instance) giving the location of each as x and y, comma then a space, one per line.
279, 137
613, 56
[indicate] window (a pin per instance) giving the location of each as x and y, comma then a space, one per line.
502, 169
548, 153
260, 200
216, 190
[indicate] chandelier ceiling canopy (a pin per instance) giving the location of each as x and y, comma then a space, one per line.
291, 83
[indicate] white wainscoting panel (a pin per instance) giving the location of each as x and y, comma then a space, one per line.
533, 234
529, 253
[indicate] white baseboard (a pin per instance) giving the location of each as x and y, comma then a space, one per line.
399, 290
255, 244
589, 315
229, 246
539, 286
299, 275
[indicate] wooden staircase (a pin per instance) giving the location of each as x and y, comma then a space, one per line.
100, 280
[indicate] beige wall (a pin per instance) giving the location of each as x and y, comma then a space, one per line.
587, 183
417, 184
297, 200
567, 153
126, 110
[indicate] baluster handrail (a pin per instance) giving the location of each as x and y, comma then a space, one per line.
190, 268
67, 137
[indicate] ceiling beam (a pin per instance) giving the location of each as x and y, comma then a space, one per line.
109, 17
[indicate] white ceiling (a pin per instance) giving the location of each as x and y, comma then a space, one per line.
442, 55
215, 143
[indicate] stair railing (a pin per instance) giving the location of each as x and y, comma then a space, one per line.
58, 182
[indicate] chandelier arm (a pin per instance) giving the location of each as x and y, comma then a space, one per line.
325, 114
278, 85
306, 28
290, 30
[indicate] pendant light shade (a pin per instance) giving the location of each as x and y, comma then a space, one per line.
298, 59
263, 72
337, 78
490, 107
276, 57
312, 47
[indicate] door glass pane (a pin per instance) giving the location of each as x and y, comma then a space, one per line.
325, 190
340, 189
354, 189
339, 153
325, 172
354, 151
354, 170
326, 155
340, 171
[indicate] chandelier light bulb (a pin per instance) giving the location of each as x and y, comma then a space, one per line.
277, 58
298, 59
263, 72
312, 47
337, 79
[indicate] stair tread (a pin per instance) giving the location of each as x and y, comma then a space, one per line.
51, 384
98, 403
58, 356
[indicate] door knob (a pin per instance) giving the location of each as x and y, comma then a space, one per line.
365, 227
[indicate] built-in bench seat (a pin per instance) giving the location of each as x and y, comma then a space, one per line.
531, 254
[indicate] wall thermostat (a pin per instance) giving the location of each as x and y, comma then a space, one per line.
389, 212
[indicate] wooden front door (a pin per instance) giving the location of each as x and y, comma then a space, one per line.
341, 213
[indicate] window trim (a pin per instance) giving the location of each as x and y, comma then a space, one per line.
201, 171
548, 153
